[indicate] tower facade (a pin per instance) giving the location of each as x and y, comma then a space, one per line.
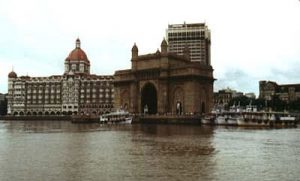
195, 36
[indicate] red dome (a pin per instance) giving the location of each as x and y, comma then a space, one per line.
12, 74
77, 54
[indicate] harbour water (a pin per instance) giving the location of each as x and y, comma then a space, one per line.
60, 150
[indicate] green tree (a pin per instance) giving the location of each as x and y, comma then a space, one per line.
277, 104
241, 100
294, 106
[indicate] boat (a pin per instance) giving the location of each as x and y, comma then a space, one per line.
256, 119
119, 116
208, 119
267, 119
227, 118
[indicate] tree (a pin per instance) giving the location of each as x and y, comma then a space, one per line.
241, 100
3, 107
277, 104
294, 105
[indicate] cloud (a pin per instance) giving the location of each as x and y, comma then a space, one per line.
238, 80
251, 40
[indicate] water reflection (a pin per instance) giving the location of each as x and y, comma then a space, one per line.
47, 126
174, 150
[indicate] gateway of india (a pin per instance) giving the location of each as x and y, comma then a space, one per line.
177, 79
164, 83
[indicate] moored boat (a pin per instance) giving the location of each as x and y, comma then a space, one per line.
208, 119
267, 119
227, 118
119, 116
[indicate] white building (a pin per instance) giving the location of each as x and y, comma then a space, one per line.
75, 92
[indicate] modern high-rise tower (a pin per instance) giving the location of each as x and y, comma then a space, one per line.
195, 36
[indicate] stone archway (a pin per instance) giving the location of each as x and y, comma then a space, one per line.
149, 99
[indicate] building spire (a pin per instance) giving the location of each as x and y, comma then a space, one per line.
134, 52
77, 43
164, 46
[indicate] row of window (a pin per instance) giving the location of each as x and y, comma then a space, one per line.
185, 33
59, 101
58, 89
97, 106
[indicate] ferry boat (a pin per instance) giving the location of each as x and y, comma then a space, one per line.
267, 119
230, 117
208, 119
119, 116
250, 117
227, 118
256, 119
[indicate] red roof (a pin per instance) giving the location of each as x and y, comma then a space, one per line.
77, 54
12, 74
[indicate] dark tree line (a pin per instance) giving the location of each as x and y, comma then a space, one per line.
275, 104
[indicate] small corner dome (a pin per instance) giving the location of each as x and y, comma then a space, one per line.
12, 74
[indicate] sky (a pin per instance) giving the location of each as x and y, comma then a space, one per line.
251, 40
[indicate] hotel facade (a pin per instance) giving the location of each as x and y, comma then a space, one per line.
76, 92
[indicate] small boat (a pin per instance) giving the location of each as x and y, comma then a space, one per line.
208, 119
119, 116
227, 118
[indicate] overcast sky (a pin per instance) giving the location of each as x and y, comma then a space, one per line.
252, 40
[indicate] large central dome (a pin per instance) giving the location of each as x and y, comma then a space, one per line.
77, 61
77, 54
